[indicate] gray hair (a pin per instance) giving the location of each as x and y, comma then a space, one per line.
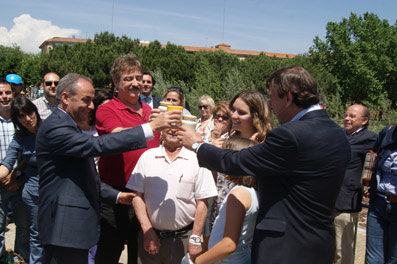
68, 84
209, 101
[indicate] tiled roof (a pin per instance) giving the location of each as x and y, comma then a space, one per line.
237, 52
225, 47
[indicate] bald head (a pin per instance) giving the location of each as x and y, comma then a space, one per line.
356, 117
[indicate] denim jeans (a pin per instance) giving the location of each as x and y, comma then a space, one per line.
32, 204
14, 198
381, 232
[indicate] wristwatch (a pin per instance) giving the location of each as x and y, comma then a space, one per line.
195, 240
196, 145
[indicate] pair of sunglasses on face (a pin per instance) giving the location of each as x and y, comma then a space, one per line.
49, 83
224, 117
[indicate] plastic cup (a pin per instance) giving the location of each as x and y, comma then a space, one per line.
189, 121
174, 107
163, 106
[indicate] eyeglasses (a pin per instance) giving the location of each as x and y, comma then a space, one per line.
203, 106
49, 83
224, 117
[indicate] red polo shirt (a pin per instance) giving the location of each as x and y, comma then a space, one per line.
115, 170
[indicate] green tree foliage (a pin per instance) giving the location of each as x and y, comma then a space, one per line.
206, 79
360, 52
235, 83
11, 59
30, 70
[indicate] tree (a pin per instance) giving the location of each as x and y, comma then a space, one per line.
361, 54
11, 59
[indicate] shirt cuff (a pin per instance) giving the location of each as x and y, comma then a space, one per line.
117, 198
147, 130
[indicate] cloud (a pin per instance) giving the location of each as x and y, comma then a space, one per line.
29, 33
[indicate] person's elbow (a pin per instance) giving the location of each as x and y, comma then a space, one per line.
229, 246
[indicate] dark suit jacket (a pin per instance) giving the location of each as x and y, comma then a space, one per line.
69, 186
156, 101
351, 193
299, 169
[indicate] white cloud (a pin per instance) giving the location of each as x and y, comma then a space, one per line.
29, 33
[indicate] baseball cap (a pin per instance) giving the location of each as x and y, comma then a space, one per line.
14, 78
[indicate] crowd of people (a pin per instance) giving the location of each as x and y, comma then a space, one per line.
86, 171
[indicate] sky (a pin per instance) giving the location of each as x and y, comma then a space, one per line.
284, 26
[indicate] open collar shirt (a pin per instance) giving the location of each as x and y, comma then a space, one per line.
44, 107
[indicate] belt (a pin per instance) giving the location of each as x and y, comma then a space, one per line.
175, 233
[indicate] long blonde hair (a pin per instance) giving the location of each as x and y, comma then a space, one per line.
239, 143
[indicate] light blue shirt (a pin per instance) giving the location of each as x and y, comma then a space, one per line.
147, 99
387, 175
242, 254
305, 111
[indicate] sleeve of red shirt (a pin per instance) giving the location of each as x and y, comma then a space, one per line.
106, 119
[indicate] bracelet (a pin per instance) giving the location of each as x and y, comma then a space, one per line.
195, 240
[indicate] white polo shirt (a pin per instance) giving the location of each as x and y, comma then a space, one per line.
170, 189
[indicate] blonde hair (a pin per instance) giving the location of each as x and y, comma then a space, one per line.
239, 143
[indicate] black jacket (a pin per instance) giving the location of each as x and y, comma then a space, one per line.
351, 192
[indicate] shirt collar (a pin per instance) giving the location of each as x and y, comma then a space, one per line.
47, 102
7, 120
355, 132
305, 111
120, 105
160, 153
144, 97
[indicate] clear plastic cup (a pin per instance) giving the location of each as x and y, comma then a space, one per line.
190, 121
163, 106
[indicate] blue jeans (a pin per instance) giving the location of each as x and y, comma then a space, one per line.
381, 232
32, 204
14, 198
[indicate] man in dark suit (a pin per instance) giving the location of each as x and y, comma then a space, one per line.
299, 169
148, 83
348, 202
69, 187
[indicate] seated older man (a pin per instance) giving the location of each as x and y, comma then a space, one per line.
171, 205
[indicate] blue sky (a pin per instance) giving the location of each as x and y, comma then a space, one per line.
275, 26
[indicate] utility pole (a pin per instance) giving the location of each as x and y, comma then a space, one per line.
223, 25
112, 14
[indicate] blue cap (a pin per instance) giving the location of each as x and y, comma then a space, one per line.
14, 78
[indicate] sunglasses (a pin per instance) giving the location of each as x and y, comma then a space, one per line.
221, 116
49, 83
203, 106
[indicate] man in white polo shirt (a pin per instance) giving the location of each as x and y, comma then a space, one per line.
171, 205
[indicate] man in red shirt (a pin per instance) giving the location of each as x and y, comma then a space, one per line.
118, 222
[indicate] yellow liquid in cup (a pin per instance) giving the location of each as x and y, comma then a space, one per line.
174, 107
